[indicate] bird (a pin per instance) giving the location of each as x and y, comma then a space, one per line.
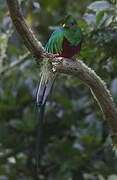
65, 41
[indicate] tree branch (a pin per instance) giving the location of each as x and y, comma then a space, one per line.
28, 37
68, 66
97, 86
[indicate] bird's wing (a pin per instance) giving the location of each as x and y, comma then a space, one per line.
54, 44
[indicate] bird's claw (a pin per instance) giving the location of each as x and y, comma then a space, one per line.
57, 60
50, 55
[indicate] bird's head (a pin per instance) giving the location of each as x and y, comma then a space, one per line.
69, 22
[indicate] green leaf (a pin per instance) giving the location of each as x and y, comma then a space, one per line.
98, 6
112, 177
99, 16
109, 20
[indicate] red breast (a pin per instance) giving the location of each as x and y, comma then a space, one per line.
69, 50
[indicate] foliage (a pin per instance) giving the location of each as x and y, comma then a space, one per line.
77, 143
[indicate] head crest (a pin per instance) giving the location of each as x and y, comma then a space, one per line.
67, 20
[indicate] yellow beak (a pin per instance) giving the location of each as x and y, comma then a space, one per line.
64, 25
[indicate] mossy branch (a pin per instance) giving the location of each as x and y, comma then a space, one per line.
26, 34
97, 86
67, 66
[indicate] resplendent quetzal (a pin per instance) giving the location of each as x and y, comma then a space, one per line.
65, 41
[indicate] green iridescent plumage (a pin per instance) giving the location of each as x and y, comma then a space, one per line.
64, 39
54, 44
71, 32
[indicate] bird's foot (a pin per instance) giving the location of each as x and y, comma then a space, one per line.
50, 55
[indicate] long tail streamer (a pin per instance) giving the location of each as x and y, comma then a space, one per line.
40, 135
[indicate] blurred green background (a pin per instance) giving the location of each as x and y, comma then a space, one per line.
77, 143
